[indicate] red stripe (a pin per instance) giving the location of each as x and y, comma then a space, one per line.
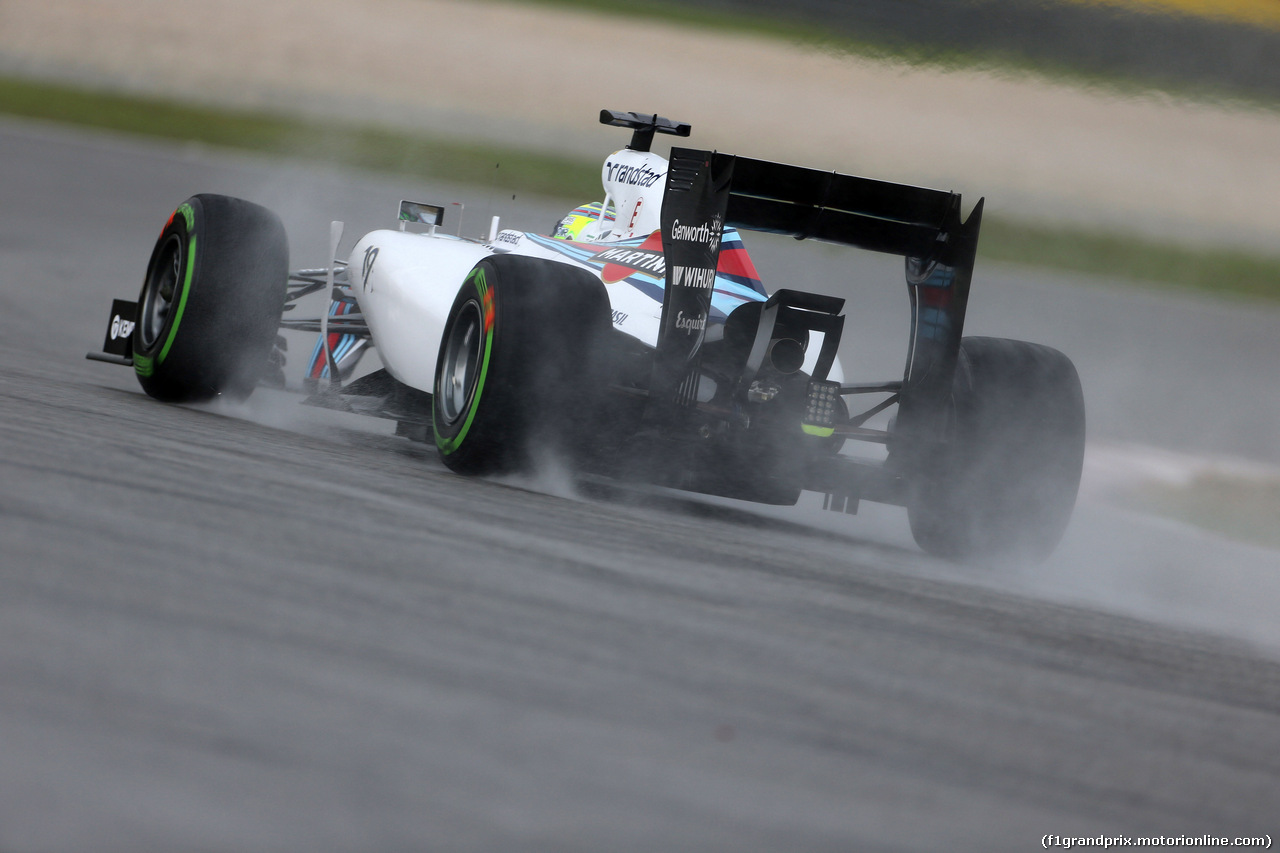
737, 262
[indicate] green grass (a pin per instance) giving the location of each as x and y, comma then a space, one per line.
1222, 272
382, 149
1242, 509
369, 147
740, 22
796, 31
900, 50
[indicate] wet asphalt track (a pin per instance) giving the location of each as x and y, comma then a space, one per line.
265, 629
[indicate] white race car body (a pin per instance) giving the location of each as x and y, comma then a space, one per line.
405, 282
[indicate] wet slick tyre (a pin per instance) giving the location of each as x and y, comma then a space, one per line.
211, 301
1007, 483
519, 369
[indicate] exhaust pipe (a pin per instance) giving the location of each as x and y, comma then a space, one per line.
786, 355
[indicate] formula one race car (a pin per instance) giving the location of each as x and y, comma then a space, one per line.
638, 342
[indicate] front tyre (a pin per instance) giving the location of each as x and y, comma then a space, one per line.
521, 368
1006, 484
211, 301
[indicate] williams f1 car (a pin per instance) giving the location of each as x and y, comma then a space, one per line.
637, 341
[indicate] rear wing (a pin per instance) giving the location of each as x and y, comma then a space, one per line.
810, 204
707, 191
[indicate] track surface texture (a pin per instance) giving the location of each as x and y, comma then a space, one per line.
269, 628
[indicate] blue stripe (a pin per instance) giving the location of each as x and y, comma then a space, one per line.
730, 290
564, 247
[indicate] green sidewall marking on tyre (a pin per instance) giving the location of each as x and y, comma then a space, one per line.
449, 445
189, 215
182, 300
143, 365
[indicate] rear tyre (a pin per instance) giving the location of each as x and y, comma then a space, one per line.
520, 368
1007, 483
211, 301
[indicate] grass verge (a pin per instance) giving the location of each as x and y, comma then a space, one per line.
1220, 272
382, 149
904, 49
369, 147
1242, 509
